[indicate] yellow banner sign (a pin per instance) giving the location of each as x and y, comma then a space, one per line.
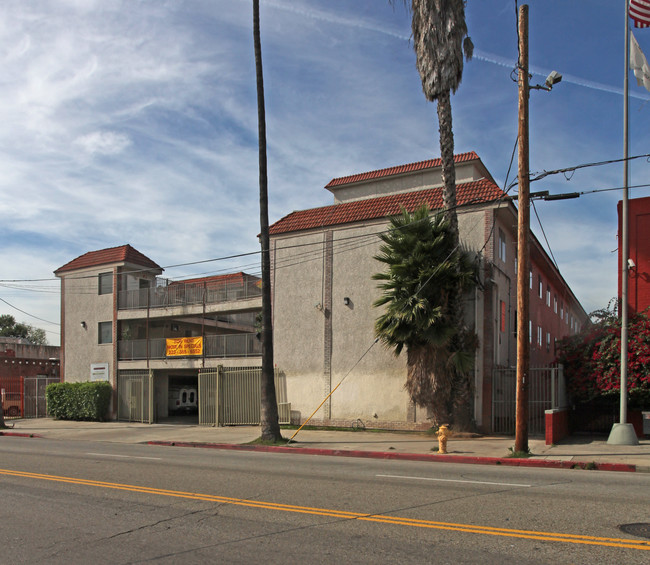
181, 346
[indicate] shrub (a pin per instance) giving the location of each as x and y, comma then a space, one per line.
78, 401
591, 360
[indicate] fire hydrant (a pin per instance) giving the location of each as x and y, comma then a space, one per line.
443, 434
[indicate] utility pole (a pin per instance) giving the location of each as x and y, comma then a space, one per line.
523, 245
623, 433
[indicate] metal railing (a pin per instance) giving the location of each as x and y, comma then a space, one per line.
546, 390
220, 346
184, 294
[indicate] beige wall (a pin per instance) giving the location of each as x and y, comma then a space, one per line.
81, 302
373, 389
403, 183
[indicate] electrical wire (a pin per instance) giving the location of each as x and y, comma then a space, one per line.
28, 314
539, 221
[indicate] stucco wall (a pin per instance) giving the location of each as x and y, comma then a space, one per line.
401, 183
307, 315
83, 303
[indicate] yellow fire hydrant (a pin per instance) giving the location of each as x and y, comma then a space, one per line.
443, 434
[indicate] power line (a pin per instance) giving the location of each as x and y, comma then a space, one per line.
28, 314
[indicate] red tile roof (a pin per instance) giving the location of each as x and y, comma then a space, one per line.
475, 192
121, 254
230, 277
420, 165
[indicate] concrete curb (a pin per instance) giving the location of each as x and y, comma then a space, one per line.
434, 458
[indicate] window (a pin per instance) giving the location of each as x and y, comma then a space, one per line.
105, 283
105, 332
548, 341
502, 246
561, 311
540, 335
530, 277
540, 287
530, 331
555, 303
548, 296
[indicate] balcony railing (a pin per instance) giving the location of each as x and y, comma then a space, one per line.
228, 345
183, 294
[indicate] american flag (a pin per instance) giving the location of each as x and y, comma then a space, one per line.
640, 12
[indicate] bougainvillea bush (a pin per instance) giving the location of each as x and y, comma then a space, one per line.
591, 360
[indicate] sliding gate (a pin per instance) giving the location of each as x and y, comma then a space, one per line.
230, 396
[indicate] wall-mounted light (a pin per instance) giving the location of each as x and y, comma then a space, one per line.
346, 301
83, 325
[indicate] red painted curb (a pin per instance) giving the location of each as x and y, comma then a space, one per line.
18, 434
506, 461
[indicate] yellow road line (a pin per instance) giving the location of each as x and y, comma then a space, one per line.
377, 518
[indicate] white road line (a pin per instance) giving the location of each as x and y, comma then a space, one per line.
124, 456
452, 481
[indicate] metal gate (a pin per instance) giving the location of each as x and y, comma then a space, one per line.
35, 405
230, 396
135, 396
546, 390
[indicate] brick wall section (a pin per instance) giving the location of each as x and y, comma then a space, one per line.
327, 320
14, 367
639, 236
557, 426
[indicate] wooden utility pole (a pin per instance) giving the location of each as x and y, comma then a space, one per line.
523, 245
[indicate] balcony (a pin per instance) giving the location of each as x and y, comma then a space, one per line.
186, 294
215, 346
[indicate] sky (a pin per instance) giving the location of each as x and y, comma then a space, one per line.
136, 122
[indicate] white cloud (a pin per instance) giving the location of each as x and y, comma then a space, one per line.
103, 142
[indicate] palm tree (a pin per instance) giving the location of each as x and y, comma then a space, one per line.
268, 408
425, 267
440, 40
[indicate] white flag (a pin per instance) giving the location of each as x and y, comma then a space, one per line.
639, 64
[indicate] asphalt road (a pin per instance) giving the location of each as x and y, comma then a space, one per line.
92, 502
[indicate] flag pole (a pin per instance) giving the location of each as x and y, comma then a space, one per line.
623, 433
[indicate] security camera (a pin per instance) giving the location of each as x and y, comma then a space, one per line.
552, 79
630, 264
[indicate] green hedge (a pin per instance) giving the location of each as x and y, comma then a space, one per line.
79, 401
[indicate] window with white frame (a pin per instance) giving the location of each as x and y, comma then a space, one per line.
548, 296
540, 335
548, 341
540, 286
555, 303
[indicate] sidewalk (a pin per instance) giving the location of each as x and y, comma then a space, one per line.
575, 451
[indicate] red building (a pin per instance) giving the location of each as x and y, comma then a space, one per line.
638, 293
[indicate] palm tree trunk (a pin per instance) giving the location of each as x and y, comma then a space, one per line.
427, 380
447, 158
269, 407
462, 389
